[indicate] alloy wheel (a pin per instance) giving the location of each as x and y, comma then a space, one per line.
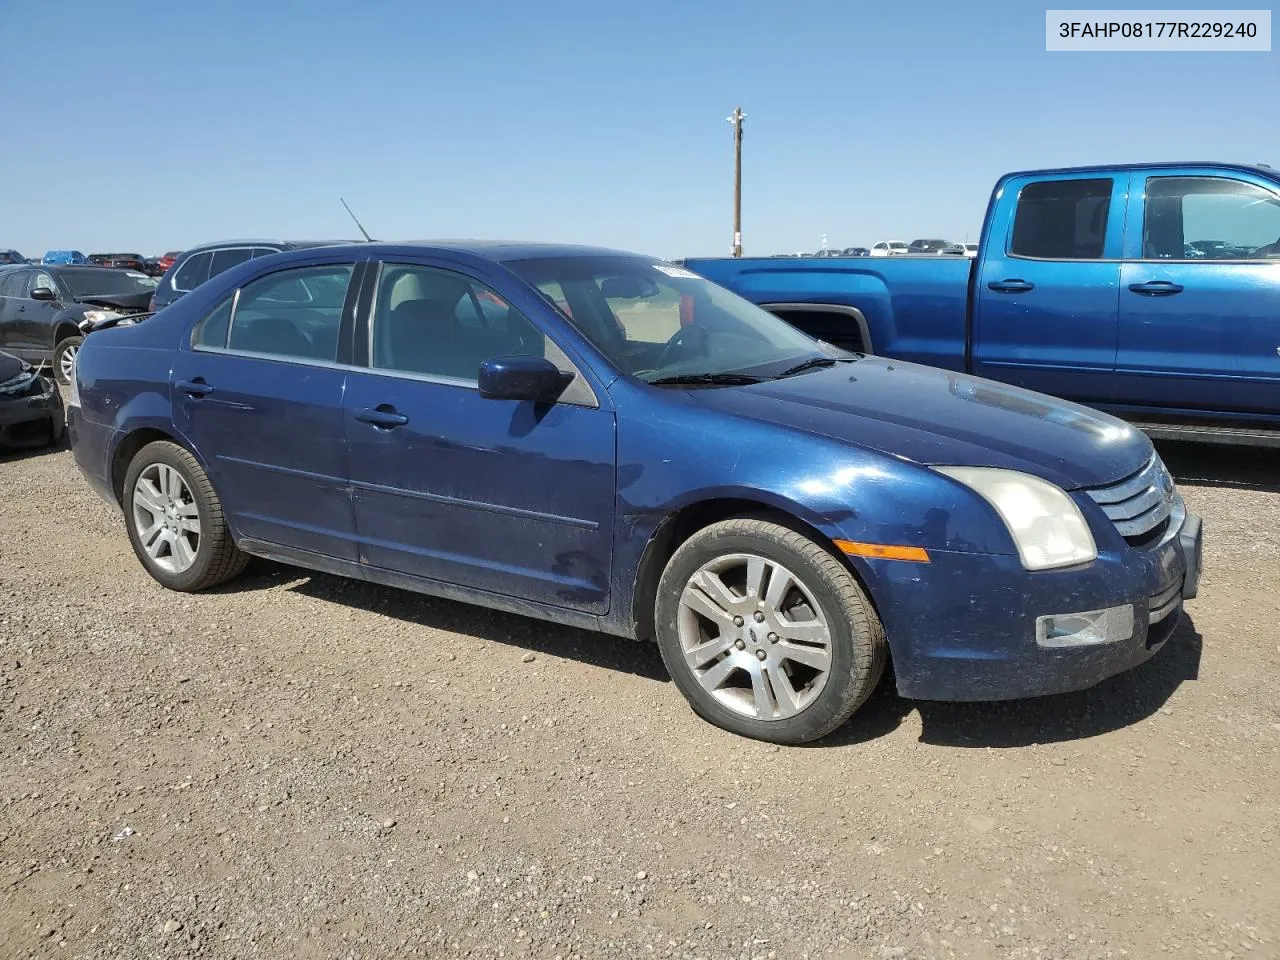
166, 518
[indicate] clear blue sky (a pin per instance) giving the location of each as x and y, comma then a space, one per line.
152, 124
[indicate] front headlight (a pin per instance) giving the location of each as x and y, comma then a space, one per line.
1046, 525
94, 316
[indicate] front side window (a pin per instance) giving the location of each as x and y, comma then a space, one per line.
442, 324
292, 313
224, 260
41, 279
654, 320
1062, 220
1210, 218
192, 273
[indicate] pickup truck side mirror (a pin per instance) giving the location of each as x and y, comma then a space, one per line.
43, 293
522, 378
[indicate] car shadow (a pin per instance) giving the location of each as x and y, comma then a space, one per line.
14, 454
1117, 702
435, 613
1214, 465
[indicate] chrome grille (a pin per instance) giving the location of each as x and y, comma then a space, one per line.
1140, 504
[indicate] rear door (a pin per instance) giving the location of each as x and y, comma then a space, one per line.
1045, 301
510, 497
1200, 293
35, 317
258, 392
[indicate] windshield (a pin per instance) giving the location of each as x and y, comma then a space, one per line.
99, 282
654, 320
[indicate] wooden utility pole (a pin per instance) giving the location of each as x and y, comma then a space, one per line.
736, 119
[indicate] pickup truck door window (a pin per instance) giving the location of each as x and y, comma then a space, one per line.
1045, 302
501, 495
259, 394
1199, 289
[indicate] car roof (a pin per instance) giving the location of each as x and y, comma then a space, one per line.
495, 250
1258, 168
260, 242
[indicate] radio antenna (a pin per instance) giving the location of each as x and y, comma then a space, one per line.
357, 222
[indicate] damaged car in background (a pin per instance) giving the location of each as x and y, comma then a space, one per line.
31, 412
45, 311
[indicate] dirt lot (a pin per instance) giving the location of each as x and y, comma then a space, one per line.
318, 768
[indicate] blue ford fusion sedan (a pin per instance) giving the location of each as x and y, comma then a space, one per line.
607, 440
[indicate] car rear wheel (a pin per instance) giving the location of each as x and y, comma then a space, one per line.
175, 520
766, 633
64, 359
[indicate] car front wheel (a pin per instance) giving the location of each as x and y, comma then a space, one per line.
766, 633
64, 359
175, 520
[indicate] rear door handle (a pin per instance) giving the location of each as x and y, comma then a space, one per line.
194, 388
1010, 286
1156, 288
384, 415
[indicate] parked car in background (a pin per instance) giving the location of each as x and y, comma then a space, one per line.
1083, 289
927, 246
126, 261
63, 257
11, 256
44, 310
424, 416
953, 250
889, 248
855, 252
970, 249
162, 263
31, 411
193, 267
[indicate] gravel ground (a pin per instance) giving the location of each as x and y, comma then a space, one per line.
300, 766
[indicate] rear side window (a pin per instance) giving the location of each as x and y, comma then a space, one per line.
224, 260
1209, 218
1062, 220
292, 313
14, 283
192, 273
212, 330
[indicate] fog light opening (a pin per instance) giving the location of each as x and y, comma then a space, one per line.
1083, 629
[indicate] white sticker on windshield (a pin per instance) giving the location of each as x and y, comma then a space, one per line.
678, 272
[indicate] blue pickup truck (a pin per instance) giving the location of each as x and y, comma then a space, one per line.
1151, 291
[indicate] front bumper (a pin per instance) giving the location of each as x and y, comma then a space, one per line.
32, 419
964, 627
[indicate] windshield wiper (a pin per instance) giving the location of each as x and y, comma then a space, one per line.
720, 379
812, 364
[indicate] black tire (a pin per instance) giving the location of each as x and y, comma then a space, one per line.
858, 652
59, 352
217, 558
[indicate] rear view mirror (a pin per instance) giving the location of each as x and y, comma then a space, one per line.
628, 288
522, 378
43, 293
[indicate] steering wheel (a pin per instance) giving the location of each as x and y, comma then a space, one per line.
692, 336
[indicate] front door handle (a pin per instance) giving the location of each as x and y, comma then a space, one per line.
194, 388
1156, 288
1010, 286
384, 416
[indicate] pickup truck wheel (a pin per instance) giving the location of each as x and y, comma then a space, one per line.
175, 520
64, 359
766, 633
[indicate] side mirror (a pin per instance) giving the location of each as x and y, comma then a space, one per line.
43, 293
522, 378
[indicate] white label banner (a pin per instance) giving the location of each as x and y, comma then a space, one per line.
1138, 31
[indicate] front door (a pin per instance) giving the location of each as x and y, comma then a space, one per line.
1200, 296
259, 396
510, 497
1045, 296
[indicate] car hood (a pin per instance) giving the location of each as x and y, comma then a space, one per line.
133, 301
938, 417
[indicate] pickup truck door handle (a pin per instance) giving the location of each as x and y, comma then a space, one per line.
1010, 286
383, 416
1156, 288
194, 388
